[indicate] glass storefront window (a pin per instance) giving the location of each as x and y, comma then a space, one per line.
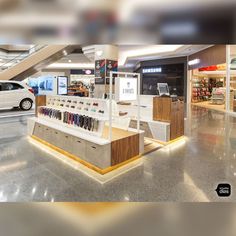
232, 77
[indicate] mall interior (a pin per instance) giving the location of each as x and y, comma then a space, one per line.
117, 123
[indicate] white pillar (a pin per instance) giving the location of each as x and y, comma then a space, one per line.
227, 78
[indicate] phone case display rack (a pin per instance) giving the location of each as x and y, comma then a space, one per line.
87, 115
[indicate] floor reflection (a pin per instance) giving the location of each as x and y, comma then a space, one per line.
187, 171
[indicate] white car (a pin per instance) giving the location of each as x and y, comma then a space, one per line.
16, 94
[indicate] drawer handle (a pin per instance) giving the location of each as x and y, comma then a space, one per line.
93, 147
56, 132
66, 136
46, 129
78, 141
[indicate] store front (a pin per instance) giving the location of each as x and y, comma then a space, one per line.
207, 74
172, 71
231, 79
212, 78
80, 82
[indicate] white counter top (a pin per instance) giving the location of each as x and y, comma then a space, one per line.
71, 131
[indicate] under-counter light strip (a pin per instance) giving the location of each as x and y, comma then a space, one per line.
102, 179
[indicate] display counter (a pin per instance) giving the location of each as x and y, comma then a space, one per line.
170, 110
160, 118
76, 127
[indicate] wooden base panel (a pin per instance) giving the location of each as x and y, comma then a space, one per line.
153, 146
85, 163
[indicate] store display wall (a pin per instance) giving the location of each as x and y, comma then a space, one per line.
172, 71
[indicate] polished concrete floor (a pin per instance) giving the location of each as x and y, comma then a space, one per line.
182, 172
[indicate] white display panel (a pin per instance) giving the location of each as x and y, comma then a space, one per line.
127, 89
62, 82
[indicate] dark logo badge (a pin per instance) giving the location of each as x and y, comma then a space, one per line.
223, 190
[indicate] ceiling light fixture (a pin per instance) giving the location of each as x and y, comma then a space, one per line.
99, 53
65, 52
72, 65
143, 51
69, 61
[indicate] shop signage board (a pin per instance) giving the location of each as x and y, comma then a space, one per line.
100, 71
62, 85
111, 66
152, 70
126, 89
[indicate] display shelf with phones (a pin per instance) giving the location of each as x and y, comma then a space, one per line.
85, 114
83, 129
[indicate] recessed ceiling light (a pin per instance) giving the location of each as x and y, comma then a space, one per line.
99, 53
69, 61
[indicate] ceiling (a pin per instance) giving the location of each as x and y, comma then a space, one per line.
129, 55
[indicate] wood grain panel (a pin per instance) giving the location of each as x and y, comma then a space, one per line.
177, 120
124, 149
173, 112
39, 101
162, 109
234, 105
116, 133
211, 56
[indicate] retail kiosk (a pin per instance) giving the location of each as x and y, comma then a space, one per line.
87, 130
104, 134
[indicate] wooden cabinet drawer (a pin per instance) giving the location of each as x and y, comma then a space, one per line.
65, 142
56, 138
78, 147
47, 134
38, 130
98, 155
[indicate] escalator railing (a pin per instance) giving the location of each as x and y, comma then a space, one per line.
10, 63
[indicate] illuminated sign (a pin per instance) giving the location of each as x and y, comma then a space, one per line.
62, 88
193, 62
127, 89
152, 70
88, 72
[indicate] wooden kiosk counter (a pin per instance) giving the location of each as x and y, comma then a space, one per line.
167, 110
58, 125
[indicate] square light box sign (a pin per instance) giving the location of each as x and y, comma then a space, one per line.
126, 89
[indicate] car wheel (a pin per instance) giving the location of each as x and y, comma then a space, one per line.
26, 104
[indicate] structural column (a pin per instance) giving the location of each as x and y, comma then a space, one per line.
106, 60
